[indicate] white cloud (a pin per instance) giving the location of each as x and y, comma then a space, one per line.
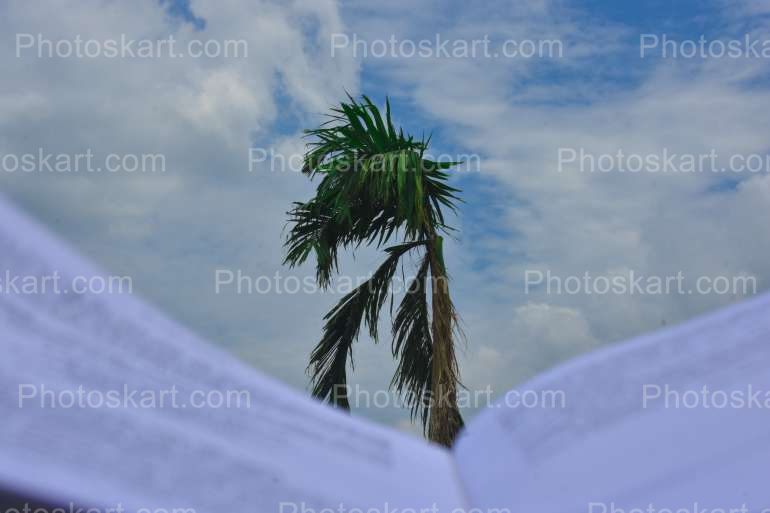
171, 230
571, 223
207, 211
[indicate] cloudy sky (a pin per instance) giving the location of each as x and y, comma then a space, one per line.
529, 208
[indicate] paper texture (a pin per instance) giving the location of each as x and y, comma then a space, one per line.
279, 447
678, 419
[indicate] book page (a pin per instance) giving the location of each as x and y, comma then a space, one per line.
106, 403
678, 420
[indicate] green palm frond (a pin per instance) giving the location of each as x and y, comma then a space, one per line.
413, 346
319, 229
328, 361
375, 181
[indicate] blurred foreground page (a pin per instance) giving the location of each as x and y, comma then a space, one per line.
107, 403
677, 420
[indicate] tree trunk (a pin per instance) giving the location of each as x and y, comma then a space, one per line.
445, 420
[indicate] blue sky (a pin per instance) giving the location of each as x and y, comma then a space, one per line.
181, 9
209, 211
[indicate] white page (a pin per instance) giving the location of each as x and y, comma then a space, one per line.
278, 446
605, 447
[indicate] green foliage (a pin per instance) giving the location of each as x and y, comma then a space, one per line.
329, 359
376, 184
374, 181
413, 346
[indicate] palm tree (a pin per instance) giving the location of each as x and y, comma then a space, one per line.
377, 185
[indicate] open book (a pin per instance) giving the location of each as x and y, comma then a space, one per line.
675, 420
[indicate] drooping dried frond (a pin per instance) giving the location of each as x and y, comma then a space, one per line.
413, 346
328, 362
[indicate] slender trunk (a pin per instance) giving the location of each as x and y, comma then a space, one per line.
445, 420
